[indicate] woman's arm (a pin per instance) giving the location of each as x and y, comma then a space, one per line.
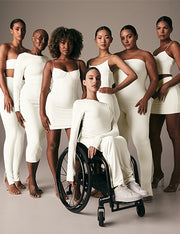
45, 87
8, 102
18, 82
116, 62
77, 117
82, 72
153, 76
175, 52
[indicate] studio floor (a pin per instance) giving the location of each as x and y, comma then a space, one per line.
24, 215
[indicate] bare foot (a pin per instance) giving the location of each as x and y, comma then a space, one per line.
19, 185
33, 192
12, 188
37, 188
96, 193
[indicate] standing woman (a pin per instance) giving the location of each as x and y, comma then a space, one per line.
14, 141
134, 102
26, 101
107, 63
62, 80
167, 104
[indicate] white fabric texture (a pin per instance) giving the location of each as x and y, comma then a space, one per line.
107, 80
26, 100
99, 130
64, 91
14, 138
171, 102
131, 122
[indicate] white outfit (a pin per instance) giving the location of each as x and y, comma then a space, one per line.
107, 80
99, 130
26, 100
131, 121
171, 102
64, 91
14, 140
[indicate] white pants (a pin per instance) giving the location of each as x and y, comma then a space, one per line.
116, 153
138, 125
14, 138
35, 132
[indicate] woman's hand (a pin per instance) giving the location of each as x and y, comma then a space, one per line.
91, 152
20, 118
162, 92
45, 122
142, 106
8, 103
107, 90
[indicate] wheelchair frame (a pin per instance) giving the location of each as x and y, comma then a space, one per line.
87, 183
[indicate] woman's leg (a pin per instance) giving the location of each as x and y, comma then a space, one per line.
156, 123
139, 128
53, 141
173, 128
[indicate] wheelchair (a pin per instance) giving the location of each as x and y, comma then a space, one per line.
91, 173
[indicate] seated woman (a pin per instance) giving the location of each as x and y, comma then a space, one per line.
100, 131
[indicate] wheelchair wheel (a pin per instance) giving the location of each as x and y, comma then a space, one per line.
140, 208
74, 197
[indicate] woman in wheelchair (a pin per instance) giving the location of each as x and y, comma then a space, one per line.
99, 131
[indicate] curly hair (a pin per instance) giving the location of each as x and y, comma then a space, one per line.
62, 33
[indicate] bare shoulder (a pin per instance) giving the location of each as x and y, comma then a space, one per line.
90, 61
174, 45
81, 62
5, 47
146, 54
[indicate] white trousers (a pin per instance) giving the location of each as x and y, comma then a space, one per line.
35, 132
138, 125
116, 153
14, 138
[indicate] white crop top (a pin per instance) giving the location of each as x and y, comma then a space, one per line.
10, 63
164, 63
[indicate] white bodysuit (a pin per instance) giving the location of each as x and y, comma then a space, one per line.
99, 130
171, 102
64, 91
14, 140
107, 80
131, 121
26, 100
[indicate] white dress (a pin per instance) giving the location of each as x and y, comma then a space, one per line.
26, 100
63, 93
107, 80
131, 122
99, 130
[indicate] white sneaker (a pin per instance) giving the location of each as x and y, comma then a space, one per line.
123, 194
137, 189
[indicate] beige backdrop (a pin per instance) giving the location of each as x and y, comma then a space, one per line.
86, 16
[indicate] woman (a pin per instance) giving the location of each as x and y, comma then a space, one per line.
14, 141
107, 63
167, 104
99, 131
26, 101
135, 103
62, 76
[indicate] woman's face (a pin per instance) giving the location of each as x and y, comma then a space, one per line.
18, 31
163, 30
92, 81
128, 39
40, 40
103, 39
66, 47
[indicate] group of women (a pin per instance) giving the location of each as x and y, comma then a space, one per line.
38, 97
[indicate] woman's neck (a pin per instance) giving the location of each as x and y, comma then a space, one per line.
103, 53
34, 51
92, 96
